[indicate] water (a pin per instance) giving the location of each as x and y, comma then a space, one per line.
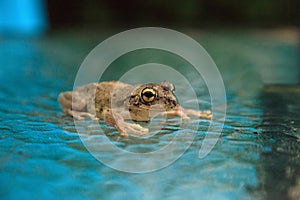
42, 156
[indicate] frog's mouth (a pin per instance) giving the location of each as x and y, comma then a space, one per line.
145, 113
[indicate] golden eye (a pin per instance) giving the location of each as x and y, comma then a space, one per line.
148, 95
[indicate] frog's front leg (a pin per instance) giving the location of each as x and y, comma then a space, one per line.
116, 118
185, 113
74, 104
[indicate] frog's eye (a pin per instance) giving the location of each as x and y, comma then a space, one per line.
148, 95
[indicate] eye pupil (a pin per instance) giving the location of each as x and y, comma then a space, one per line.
148, 94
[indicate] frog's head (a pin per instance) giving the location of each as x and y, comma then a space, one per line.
150, 99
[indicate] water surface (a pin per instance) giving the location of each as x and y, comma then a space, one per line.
43, 157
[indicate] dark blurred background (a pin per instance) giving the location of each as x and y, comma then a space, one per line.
192, 13
39, 16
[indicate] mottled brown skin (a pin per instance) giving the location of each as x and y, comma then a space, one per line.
115, 102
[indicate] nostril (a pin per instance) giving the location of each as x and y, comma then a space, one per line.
174, 102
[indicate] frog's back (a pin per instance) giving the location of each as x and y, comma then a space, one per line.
111, 94
113, 89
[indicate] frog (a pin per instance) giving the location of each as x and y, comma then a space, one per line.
117, 102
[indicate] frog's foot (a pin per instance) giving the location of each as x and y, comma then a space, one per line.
124, 128
177, 113
81, 115
185, 113
199, 114
117, 120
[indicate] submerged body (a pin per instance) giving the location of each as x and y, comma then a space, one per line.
115, 102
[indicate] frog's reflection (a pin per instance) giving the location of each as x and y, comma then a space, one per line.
280, 174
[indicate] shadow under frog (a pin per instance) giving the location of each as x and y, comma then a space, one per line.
115, 102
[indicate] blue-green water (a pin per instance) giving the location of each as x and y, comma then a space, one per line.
42, 156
